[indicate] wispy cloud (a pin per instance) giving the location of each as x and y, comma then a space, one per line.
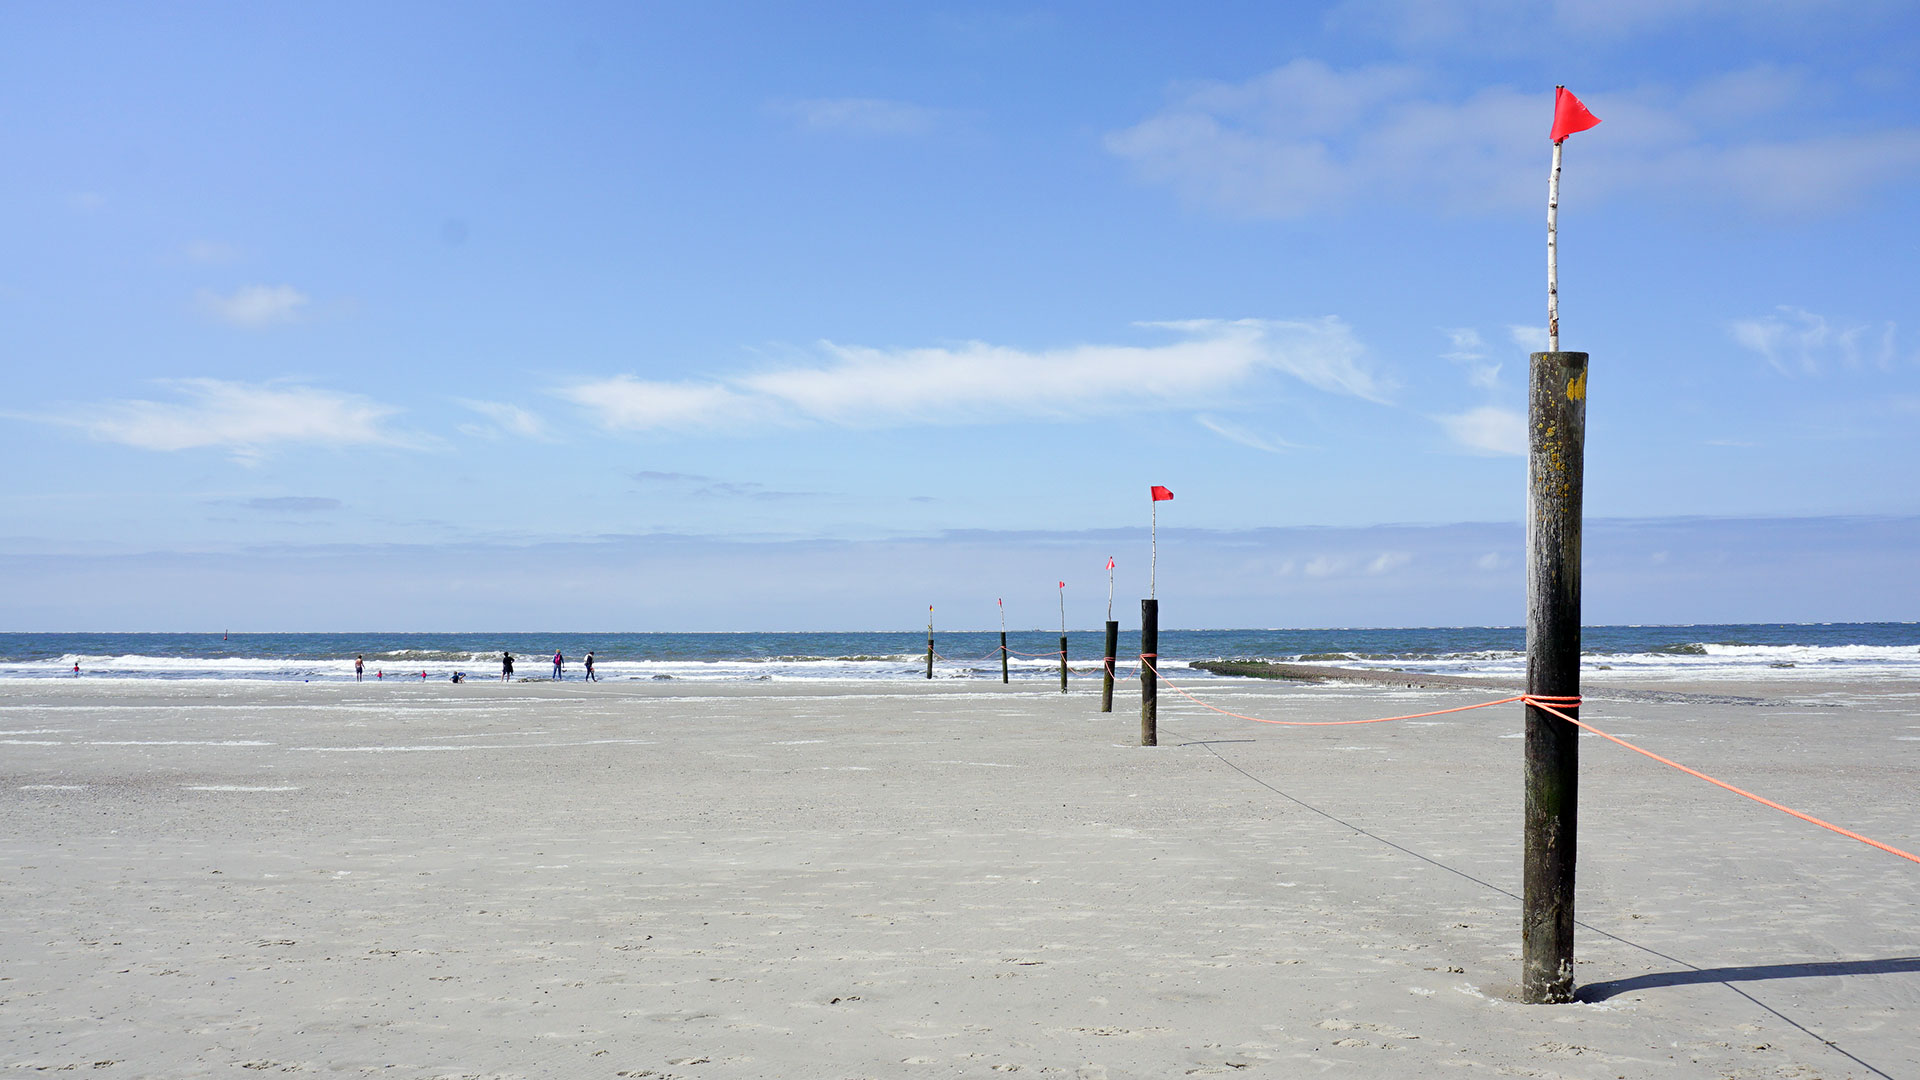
1488, 429
697, 486
1306, 138
627, 403
246, 419
254, 306
292, 504
862, 387
1511, 26
507, 420
1531, 338
1468, 350
211, 252
857, 116
1234, 433
1348, 565
1796, 341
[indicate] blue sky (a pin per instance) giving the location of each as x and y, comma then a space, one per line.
384, 316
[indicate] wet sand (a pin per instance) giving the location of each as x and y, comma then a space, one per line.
945, 879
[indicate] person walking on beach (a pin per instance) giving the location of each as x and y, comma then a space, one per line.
589, 662
558, 662
506, 667
359, 668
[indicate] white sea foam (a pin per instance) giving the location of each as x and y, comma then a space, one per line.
1698, 662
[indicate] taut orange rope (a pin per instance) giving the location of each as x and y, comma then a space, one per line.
1325, 723
1552, 705
1809, 818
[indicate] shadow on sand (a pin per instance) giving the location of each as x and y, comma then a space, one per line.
1898, 965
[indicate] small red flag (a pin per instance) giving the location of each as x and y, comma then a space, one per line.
1109, 562
1063, 584
1160, 493
1569, 115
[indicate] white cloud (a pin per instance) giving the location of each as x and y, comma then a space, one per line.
244, 418
977, 382
1306, 138
1488, 429
1467, 352
1389, 561
1531, 338
1797, 341
507, 419
860, 116
1234, 433
1512, 26
1321, 567
254, 305
624, 402
211, 252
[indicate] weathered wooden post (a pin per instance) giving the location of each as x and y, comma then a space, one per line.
1063, 637
1003, 640
1113, 646
1556, 464
1106, 683
1150, 628
929, 641
1556, 452
1149, 659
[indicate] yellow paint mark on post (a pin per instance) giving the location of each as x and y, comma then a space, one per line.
1577, 387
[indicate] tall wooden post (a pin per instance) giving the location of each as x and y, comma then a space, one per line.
1557, 426
1106, 683
1063, 663
1003, 657
1149, 659
929, 641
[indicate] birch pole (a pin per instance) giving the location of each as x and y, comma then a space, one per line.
1153, 548
1109, 588
1553, 251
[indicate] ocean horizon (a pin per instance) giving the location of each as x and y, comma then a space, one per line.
1679, 651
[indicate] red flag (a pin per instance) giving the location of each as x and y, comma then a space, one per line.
1109, 562
1160, 493
1569, 115
1063, 584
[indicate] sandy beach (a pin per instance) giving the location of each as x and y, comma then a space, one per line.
934, 879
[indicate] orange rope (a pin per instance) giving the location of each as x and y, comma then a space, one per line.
1809, 818
1552, 705
1319, 723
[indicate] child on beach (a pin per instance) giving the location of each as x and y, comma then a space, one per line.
359, 668
506, 667
558, 662
589, 662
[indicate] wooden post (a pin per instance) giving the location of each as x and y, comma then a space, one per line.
1106, 684
1557, 425
1149, 659
1063, 663
929, 641
1003, 657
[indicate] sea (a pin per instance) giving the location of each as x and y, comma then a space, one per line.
1704, 653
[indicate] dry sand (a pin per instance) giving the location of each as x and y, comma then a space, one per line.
913, 879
